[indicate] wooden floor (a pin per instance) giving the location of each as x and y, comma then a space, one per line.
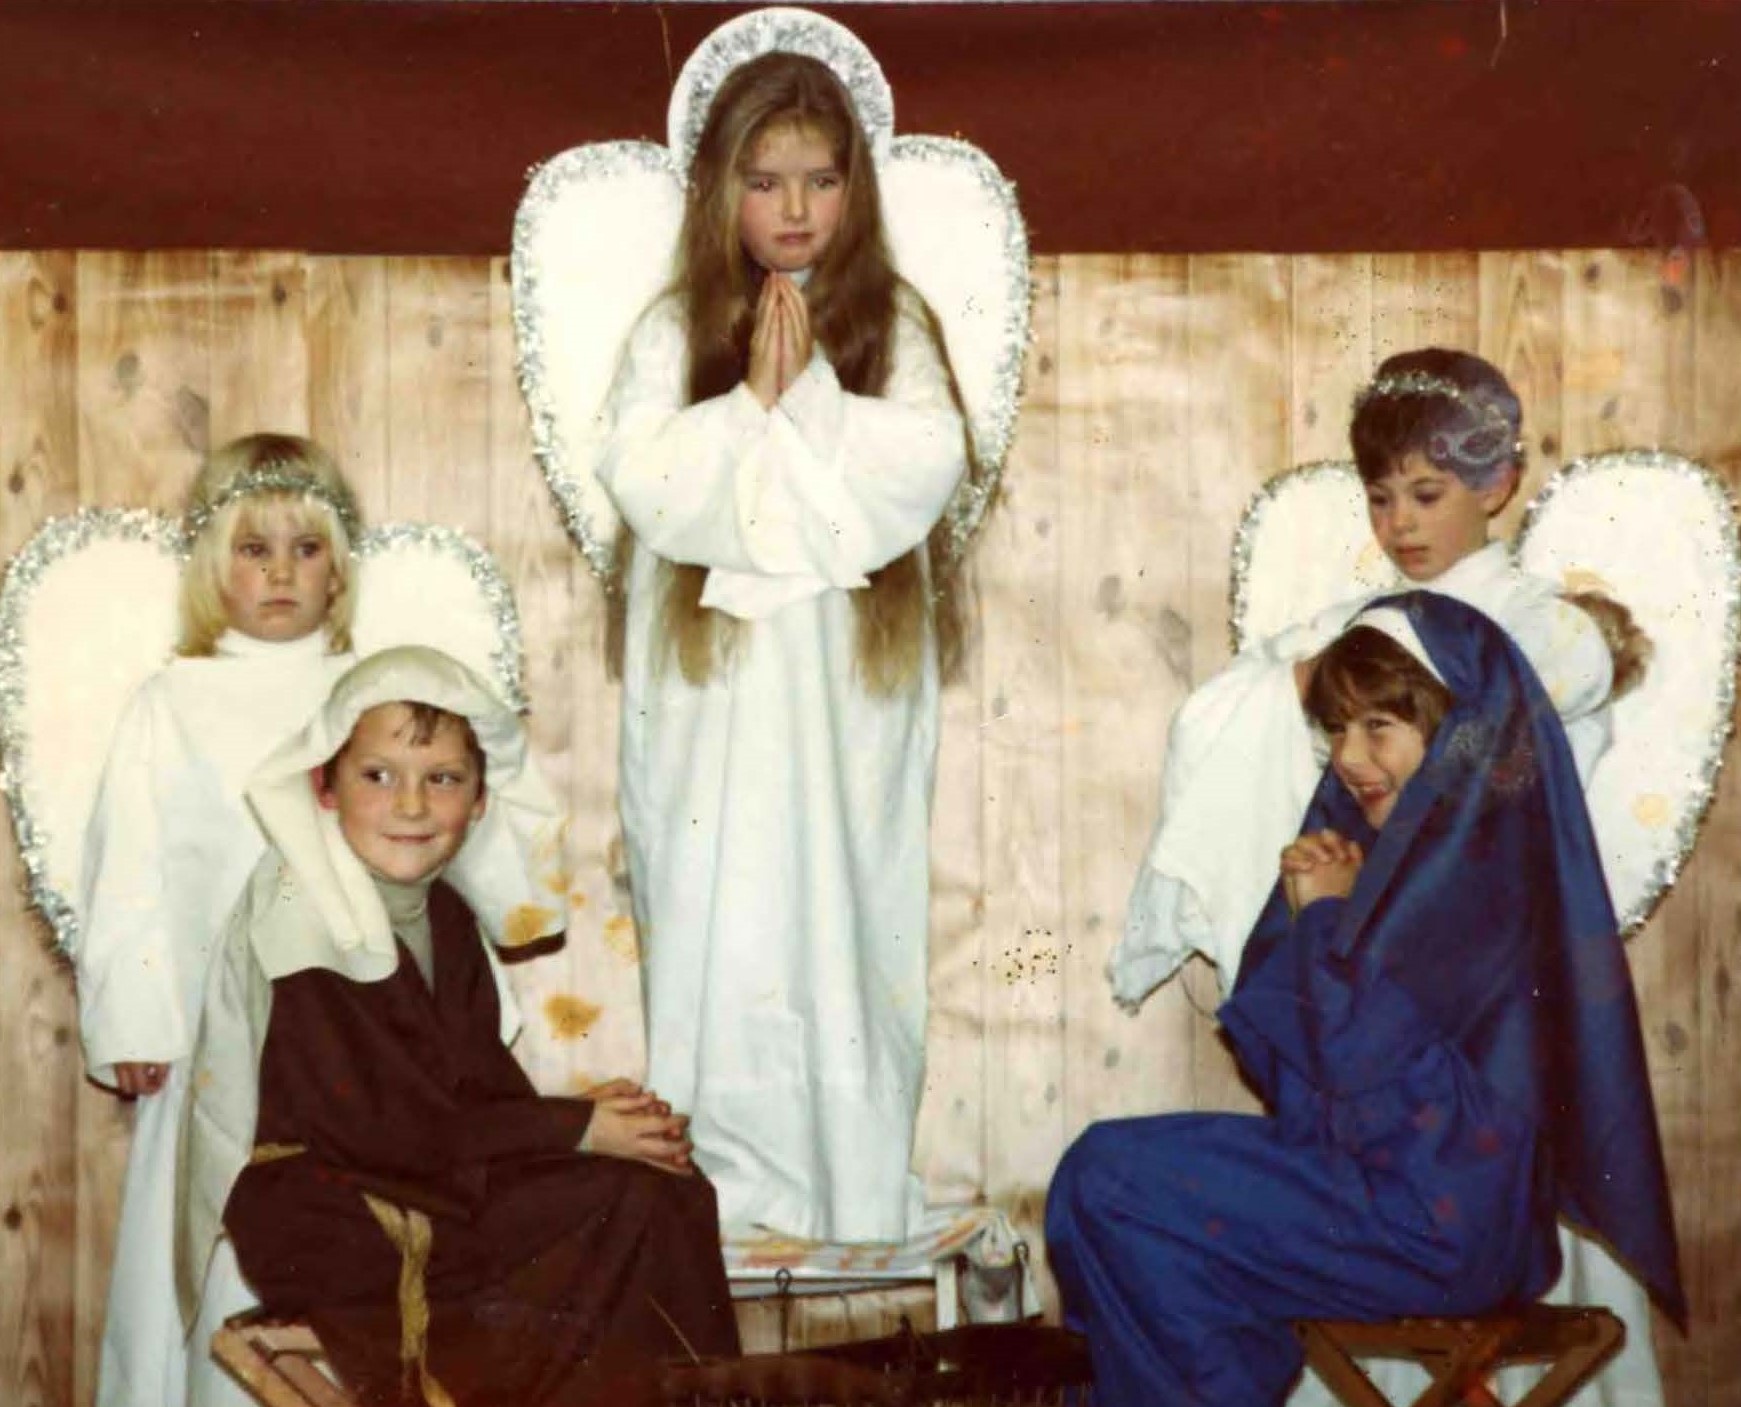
1161, 391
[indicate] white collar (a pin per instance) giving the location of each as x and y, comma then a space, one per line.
234, 644
1469, 574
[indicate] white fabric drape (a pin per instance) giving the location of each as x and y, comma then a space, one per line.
777, 818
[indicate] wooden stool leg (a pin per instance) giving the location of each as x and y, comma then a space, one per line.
1345, 1378
1458, 1378
1607, 1335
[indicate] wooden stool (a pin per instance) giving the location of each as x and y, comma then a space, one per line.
1574, 1341
276, 1361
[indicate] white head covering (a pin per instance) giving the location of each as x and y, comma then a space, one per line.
510, 869
1388, 620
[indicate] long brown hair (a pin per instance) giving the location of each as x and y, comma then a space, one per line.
854, 296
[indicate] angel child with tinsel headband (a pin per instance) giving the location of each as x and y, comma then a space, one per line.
791, 446
267, 600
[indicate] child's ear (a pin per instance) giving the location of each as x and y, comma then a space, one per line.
323, 794
1496, 495
479, 806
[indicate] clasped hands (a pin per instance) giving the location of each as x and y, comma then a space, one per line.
780, 342
631, 1122
1322, 865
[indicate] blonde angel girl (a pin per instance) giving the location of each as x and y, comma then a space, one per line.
786, 434
265, 612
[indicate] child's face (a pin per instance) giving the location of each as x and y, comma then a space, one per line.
404, 808
1374, 754
790, 199
1427, 520
280, 579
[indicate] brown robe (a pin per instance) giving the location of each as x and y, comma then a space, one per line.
549, 1271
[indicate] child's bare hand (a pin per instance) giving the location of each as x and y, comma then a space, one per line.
1323, 865
797, 342
641, 1126
766, 339
134, 1078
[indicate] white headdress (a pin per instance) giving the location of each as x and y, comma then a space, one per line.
522, 821
1388, 620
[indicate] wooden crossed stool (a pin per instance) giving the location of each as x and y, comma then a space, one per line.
1572, 1340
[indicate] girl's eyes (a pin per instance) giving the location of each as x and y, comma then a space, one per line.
760, 184
251, 548
311, 547
825, 182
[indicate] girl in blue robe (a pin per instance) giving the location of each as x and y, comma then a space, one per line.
1435, 1007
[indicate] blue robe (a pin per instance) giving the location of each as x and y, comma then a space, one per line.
1451, 1058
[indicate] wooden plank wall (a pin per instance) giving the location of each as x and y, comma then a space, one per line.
1162, 390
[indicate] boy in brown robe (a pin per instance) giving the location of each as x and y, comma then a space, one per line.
451, 1235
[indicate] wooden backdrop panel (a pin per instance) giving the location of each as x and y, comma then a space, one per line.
1162, 392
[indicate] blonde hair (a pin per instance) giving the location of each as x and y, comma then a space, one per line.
920, 599
1630, 649
221, 503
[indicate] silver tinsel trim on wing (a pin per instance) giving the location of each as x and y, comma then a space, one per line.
786, 30
508, 655
1728, 592
585, 512
1239, 586
56, 539
994, 427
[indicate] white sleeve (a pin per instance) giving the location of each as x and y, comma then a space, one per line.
129, 989
823, 489
1240, 770
1571, 658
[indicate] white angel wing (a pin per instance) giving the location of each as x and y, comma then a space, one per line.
87, 612
424, 585
1658, 534
957, 236
1302, 545
593, 241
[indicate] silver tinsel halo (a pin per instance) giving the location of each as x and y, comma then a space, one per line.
475, 588
778, 29
275, 478
1674, 729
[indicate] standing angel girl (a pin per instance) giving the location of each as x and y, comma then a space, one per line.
786, 434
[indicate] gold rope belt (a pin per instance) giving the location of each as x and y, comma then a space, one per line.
412, 1233
414, 1237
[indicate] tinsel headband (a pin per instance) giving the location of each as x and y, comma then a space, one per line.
1489, 415
280, 478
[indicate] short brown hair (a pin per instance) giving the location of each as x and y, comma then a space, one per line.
1365, 670
1470, 426
426, 721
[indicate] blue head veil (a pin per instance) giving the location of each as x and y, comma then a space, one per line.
1483, 897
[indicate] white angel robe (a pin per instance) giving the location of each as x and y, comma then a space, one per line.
1241, 766
167, 851
777, 819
